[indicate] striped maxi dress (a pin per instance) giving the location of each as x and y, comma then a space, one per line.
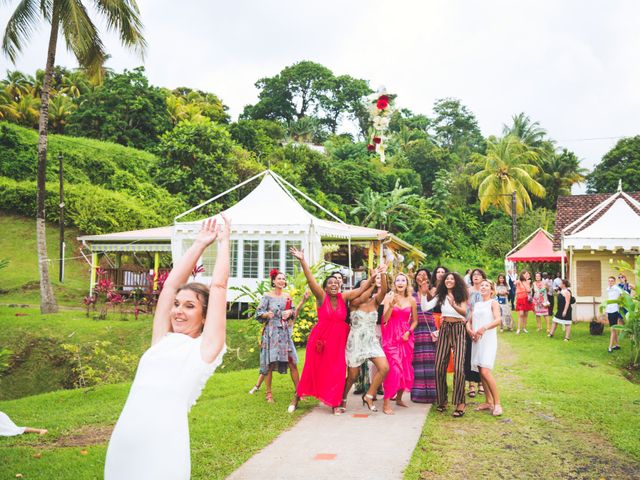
424, 356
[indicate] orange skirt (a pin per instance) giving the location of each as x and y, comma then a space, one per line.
438, 319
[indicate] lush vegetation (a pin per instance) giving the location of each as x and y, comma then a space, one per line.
444, 187
569, 413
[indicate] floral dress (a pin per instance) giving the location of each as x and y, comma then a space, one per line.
540, 300
276, 346
502, 295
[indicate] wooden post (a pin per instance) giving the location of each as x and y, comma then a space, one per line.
156, 266
94, 268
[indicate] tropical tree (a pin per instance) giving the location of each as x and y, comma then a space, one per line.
71, 18
621, 163
17, 84
60, 109
531, 134
561, 171
25, 110
388, 210
508, 166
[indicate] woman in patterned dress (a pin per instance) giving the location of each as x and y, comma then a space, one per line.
277, 351
502, 295
424, 350
540, 301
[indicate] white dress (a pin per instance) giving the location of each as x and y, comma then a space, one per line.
8, 428
151, 438
362, 343
483, 352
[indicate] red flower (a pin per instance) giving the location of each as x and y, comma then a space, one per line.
383, 102
377, 140
196, 270
273, 273
371, 147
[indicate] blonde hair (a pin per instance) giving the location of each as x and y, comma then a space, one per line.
409, 290
491, 283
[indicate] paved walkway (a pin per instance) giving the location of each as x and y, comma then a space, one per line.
357, 445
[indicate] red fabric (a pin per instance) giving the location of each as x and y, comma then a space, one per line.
325, 366
538, 249
398, 352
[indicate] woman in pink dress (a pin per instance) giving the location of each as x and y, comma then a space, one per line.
325, 365
400, 319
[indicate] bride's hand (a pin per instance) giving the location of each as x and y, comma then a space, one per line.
299, 254
209, 232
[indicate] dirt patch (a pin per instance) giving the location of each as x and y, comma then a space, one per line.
85, 436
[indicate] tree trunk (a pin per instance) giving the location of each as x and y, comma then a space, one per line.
47, 300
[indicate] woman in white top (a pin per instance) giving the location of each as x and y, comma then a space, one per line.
486, 317
151, 439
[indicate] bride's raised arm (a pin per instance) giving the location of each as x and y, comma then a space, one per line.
179, 275
215, 325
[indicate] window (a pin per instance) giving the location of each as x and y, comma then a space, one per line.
588, 278
209, 259
271, 256
234, 258
250, 257
290, 260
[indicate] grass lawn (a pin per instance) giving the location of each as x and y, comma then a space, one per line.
569, 413
19, 282
43, 366
227, 427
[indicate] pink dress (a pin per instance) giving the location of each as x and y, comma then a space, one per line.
325, 365
399, 353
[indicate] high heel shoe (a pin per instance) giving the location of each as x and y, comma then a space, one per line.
371, 406
254, 389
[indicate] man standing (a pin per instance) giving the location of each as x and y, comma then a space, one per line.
511, 278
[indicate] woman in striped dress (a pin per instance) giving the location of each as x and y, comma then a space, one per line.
424, 352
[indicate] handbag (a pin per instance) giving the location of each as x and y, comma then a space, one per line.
433, 333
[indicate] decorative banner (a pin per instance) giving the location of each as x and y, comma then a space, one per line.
380, 110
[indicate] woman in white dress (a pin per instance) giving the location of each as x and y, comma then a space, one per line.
486, 317
151, 439
10, 429
363, 344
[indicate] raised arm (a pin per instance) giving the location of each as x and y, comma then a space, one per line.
389, 302
383, 288
314, 286
356, 292
215, 325
178, 276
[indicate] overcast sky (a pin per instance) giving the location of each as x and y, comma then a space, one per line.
572, 65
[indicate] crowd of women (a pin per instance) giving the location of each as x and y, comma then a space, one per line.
394, 335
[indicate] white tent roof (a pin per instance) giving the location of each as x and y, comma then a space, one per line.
617, 228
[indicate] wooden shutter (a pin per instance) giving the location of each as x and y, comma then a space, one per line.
589, 278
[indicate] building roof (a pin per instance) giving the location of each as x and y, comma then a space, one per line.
538, 249
572, 208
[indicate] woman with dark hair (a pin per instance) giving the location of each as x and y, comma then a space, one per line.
436, 277
523, 302
451, 295
477, 276
151, 438
324, 372
540, 300
502, 294
563, 314
424, 350
277, 350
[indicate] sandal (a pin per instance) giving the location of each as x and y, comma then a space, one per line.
365, 401
472, 392
458, 414
441, 408
481, 391
269, 397
254, 389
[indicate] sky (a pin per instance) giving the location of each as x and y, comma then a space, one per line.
571, 65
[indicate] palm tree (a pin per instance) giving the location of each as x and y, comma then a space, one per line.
531, 134
17, 84
71, 18
386, 210
562, 171
508, 166
25, 111
60, 108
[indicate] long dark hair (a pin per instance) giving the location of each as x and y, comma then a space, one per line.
480, 271
435, 271
504, 280
415, 283
460, 292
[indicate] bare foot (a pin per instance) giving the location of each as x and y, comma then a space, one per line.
387, 411
400, 403
484, 406
497, 411
43, 431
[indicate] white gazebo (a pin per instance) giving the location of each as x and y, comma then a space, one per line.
267, 222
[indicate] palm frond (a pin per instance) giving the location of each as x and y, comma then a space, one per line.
19, 28
123, 17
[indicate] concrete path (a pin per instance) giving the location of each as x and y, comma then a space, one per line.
357, 445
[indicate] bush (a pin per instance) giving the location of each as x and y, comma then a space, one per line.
91, 209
